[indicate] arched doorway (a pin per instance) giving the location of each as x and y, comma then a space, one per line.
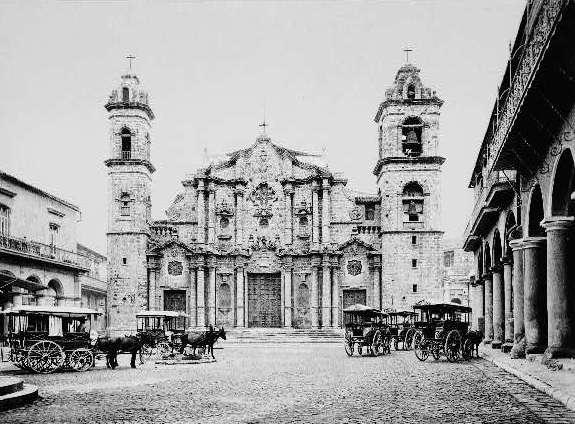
225, 315
53, 295
302, 317
28, 297
535, 213
563, 193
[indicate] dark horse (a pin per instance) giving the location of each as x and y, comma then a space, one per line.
205, 339
128, 344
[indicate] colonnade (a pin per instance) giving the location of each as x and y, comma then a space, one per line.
530, 295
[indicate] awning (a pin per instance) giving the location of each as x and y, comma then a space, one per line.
50, 310
10, 280
165, 314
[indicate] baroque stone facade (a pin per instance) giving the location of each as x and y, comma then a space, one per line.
269, 236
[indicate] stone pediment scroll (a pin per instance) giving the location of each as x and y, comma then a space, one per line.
224, 208
263, 243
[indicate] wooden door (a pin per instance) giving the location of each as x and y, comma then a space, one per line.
264, 300
302, 307
175, 300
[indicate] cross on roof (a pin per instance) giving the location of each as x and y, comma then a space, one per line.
130, 58
263, 126
407, 50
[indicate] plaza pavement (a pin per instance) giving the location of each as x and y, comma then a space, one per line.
291, 383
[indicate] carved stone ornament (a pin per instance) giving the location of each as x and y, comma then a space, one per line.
175, 268
303, 209
355, 214
263, 198
354, 267
224, 208
263, 243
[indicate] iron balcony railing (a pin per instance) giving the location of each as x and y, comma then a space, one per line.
126, 154
44, 252
495, 177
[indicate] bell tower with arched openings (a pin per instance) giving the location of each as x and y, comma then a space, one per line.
129, 202
408, 178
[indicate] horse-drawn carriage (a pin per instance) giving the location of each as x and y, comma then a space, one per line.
443, 330
161, 330
366, 328
44, 339
401, 327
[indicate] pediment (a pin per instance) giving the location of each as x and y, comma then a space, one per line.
355, 245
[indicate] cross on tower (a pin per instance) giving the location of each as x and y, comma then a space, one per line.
263, 126
407, 50
130, 58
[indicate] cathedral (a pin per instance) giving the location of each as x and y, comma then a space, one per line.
269, 236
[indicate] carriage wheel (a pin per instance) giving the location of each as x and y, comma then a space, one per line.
422, 349
452, 345
377, 345
164, 348
435, 352
395, 342
45, 357
146, 352
348, 343
81, 359
359, 349
18, 358
467, 352
416, 339
408, 339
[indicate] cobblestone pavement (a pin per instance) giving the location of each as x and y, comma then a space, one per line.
312, 383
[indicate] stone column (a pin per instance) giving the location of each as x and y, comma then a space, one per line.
212, 296
337, 281
488, 298
193, 297
376, 282
326, 294
534, 303
518, 322
477, 305
325, 212
239, 221
201, 213
508, 290
314, 297
560, 283
246, 299
212, 214
315, 213
201, 299
498, 307
288, 209
288, 299
240, 297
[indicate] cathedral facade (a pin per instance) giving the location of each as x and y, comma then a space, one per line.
269, 236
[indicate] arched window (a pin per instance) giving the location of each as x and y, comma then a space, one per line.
126, 136
125, 204
413, 202
411, 130
125, 94
411, 91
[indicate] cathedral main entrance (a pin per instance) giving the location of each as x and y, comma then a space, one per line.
264, 300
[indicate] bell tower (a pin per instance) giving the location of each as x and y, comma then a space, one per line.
408, 174
129, 202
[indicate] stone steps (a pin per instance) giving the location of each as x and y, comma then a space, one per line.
284, 335
14, 393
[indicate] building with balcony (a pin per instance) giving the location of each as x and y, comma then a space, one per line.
521, 226
41, 262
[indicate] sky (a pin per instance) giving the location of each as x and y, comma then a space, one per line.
319, 70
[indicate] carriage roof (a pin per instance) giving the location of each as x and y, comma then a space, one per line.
165, 314
446, 306
403, 313
363, 309
50, 310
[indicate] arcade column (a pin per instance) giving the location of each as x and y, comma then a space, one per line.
498, 307
560, 287
518, 321
240, 297
200, 300
326, 294
535, 294
488, 298
314, 297
508, 302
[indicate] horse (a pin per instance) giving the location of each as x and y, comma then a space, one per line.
474, 338
212, 338
194, 339
129, 344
